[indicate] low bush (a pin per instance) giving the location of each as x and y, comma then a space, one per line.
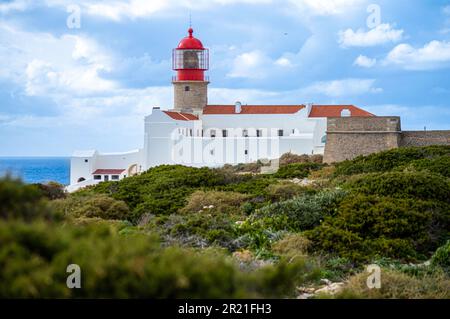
292, 245
198, 229
298, 214
52, 190
290, 158
285, 190
245, 168
96, 205
21, 201
418, 185
297, 170
34, 258
252, 185
396, 285
437, 165
160, 190
214, 202
389, 160
366, 227
442, 256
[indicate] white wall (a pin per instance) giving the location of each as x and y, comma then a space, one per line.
80, 168
120, 160
168, 141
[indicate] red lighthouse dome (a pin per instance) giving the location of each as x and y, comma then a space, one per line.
190, 42
190, 59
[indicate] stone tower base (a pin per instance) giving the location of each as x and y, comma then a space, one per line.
190, 96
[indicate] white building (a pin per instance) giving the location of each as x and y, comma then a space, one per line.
194, 133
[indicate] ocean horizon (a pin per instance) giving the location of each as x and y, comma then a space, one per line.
37, 169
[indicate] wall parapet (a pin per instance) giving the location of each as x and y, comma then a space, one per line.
350, 137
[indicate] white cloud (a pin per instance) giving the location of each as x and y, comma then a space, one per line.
326, 7
45, 64
416, 117
249, 65
433, 55
365, 62
16, 5
446, 10
284, 62
384, 33
256, 65
117, 10
341, 88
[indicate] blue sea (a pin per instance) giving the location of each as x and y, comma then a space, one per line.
37, 169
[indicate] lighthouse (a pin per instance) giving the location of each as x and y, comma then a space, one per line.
190, 60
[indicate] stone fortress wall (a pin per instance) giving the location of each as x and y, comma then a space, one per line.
349, 137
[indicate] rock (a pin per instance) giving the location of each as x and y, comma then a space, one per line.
331, 289
305, 296
326, 281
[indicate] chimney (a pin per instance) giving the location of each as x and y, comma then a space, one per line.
238, 107
308, 108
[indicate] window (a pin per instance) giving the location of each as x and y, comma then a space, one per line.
211, 152
346, 113
115, 177
213, 133
293, 131
258, 133
224, 133
280, 133
324, 139
190, 132
246, 152
187, 88
97, 177
81, 179
86, 160
106, 178
245, 133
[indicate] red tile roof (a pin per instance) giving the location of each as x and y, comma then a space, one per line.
335, 111
181, 116
253, 109
108, 172
316, 111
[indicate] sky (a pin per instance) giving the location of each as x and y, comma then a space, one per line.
82, 74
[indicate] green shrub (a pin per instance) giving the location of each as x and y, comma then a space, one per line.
198, 229
292, 245
396, 285
281, 280
419, 185
366, 227
388, 160
290, 158
297, 170
438, 165
285, 190
298, 214
34, 258
160, 190
20, 201
52, 190
96, 205
252, 185
214, 202
442, 256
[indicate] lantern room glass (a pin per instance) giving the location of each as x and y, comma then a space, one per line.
190, 59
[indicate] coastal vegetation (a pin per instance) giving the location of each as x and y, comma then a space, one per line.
182, 232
